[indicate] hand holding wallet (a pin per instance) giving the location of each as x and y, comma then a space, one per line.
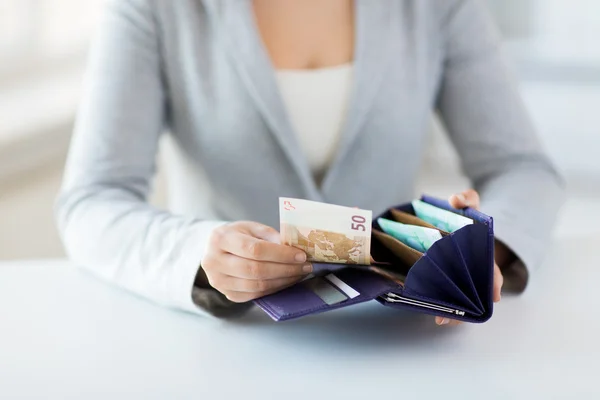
453, 278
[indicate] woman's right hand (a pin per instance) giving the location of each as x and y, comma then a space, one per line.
246, 260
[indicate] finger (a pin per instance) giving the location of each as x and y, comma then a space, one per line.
233, 284
498, 282
239, 267
246, 246
468, 198
442, 321
264, 232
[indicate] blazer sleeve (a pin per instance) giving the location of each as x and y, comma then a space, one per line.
500, 152
104, 219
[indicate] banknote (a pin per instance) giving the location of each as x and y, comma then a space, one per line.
441, 219
326, 232
417, 237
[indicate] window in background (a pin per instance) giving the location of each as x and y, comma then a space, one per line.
43, 47
555, 33
554, 45
38, 34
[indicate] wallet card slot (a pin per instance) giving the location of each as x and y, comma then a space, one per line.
406, 254
409, 219
325, 291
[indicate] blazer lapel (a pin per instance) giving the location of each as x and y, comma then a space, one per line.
371, 57
256, 72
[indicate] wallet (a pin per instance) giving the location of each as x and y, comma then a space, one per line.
453, 278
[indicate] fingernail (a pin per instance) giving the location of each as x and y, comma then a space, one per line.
307, 268
444, 321
301, 257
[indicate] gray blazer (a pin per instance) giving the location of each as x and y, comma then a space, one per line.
198, 70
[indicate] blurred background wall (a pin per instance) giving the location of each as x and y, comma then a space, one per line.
551, 44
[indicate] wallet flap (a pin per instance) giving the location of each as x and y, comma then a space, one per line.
306, 298
449, 260
427, 279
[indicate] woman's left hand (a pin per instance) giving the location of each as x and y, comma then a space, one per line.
470, 198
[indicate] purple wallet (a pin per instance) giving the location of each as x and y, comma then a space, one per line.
453, 279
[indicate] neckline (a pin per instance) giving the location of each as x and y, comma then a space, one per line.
307, 71
254, 67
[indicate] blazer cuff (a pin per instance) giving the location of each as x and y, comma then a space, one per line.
205, 301
186, 264
528, 249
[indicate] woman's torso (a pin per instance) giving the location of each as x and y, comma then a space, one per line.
231, 127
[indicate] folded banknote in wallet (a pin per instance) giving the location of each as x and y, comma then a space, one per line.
355, 260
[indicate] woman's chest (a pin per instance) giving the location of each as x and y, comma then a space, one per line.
222, 87
306, 34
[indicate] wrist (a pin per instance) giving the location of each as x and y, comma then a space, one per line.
201, 280
503, 255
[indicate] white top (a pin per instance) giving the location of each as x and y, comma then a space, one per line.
317, 103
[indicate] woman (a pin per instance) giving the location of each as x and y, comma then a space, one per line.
323, 100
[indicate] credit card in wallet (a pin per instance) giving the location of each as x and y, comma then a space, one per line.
331, 289
441, 219
417, 237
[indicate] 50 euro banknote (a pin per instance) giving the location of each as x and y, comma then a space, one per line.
326, 232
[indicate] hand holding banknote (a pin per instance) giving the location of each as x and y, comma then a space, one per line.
245, 261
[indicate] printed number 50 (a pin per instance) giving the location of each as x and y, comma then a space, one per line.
358, 223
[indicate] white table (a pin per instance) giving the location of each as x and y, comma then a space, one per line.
66, 335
